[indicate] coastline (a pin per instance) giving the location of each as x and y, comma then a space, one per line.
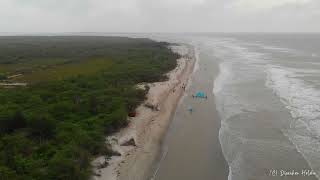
192, 148
147, 130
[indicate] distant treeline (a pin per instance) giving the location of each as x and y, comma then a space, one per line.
19, 48
52, 129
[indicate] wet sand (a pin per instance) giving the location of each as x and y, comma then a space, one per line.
192, 149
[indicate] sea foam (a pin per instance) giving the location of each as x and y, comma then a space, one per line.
303, 101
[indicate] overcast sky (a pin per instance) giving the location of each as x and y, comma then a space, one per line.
159, 15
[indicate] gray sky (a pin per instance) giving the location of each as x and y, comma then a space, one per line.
159, 15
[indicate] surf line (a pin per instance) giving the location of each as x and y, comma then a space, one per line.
164, 154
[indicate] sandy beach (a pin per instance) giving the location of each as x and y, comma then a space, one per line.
146, 131
191, 149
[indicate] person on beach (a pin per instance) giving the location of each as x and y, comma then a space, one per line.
190, 109
183, 87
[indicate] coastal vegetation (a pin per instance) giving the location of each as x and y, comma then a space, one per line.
79, 90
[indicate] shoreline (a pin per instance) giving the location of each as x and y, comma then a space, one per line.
140, 143
192, 148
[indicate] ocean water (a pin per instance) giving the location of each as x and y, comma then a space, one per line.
268, 97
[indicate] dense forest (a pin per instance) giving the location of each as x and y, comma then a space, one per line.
79, 90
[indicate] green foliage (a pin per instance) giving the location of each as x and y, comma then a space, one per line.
82, 90
6, 173
11, 119
70, 163
41, 125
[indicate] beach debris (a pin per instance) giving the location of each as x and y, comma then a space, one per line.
130, 142
190, 109
148, 105
97, 174
103, 165
152, 107
132, 114
109, 151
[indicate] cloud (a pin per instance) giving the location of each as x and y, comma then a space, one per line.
158, 15
266, 4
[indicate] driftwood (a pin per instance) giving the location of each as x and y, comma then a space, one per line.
132, 114
130, 142
152, 107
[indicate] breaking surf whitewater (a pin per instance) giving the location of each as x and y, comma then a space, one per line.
268, 97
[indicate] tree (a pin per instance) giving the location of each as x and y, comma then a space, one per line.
6, 173
69, 163
61, 110
42, 126
11, 119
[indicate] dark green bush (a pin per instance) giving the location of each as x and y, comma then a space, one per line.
51, 130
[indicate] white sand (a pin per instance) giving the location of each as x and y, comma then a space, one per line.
148, 127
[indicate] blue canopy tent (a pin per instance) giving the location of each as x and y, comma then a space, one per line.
200, 94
